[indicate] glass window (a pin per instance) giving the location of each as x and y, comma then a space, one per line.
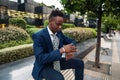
22, 1
14, 0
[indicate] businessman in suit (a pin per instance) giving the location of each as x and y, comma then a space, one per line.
46, 55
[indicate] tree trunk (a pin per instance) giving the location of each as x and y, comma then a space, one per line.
98, 45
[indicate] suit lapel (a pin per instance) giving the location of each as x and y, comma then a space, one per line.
49, 42
47, 37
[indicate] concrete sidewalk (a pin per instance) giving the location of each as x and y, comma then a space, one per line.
116, 57
112, 59
97, 74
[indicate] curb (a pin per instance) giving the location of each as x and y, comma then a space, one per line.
85, 47
85, 52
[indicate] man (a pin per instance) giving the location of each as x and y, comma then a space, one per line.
46, 54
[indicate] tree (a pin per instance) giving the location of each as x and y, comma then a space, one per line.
98, 7
110, 23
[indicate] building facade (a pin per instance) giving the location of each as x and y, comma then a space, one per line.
31, 11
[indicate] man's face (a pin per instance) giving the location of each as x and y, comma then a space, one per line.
56, 24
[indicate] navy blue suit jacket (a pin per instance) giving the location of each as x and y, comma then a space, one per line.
43, 50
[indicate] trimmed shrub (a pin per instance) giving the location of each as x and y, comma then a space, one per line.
30, 26
22, 51
45, 23
31, 31
18, 22
15, 43
80, 34
15, 53
12, 35
64, 26
67, 25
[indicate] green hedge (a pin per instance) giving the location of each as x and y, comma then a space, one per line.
15, 43
19, 22
68, 25
45, 23
64, 26
12, 36
19, 52
80, 34
32, 29
15, 53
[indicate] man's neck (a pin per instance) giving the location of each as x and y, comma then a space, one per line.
50, 31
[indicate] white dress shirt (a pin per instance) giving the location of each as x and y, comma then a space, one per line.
51, 33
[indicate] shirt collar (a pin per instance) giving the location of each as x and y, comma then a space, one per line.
50, 32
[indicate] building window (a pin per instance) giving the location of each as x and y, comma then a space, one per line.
14, 0
22, 1
3, 12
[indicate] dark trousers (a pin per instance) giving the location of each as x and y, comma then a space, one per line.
50, 74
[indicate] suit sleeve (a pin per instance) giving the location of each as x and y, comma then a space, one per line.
40, 53
67, 40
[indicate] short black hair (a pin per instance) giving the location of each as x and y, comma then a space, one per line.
55, 13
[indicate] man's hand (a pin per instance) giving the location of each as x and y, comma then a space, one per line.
69, 56
70, 48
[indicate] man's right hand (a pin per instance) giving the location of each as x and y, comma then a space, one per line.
68, 48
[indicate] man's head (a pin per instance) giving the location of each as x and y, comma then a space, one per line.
55, 20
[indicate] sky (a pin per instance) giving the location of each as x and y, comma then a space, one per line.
56, 3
